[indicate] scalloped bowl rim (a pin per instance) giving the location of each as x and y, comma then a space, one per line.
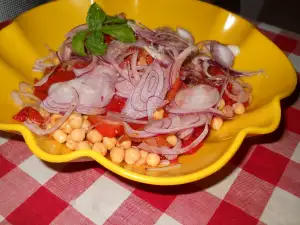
175, 180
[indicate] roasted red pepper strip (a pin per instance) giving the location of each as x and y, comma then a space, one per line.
22, 115
35, 116
29, 113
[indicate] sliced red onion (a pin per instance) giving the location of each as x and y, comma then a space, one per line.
186, 111
238, 73
95, 89
129, 111
122, 72
164, 59
30, 96
199, 59
234, 49
41, 132
185, 133
165, 151
199, 97
176, 121
17, 98
167, 123
90, 110
215, 78
242, 97
40, 65
176, 150
151, 84
172, 51
116, 48
140, 43
120, 58
135, 75
222, 54
136, 133
186, 35
178, 63
144, 32
124, 88
25, 87
123, 95
88, 68
122, 118
189, 119
150, 129
65, 50
45, 78
59, 97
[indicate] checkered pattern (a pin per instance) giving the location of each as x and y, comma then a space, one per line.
260, 185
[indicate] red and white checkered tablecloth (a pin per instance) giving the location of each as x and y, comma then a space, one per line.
260, 185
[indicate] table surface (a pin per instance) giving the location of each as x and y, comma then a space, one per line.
260, 185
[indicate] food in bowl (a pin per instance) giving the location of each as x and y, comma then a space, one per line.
139, 96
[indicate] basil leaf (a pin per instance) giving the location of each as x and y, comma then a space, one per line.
122, 32
114, 20
95, 17
95, 43
78, 43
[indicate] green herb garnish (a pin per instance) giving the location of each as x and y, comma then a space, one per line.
114, 20
99, 24
78, 43
95, 43
122, 32
95, 17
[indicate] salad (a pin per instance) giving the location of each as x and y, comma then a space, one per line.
142, 97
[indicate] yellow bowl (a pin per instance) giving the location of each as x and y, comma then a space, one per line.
24, 40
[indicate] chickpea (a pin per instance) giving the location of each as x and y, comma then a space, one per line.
75, 120
239, 108
221, 104
66, 127
172, 140
132, 155
99, 147
228, 111
54, 118
70, 144
125, 144
78, 135
69, 137
109, 142
158, 114
84, 145
117, 154
59, 136
216, 123
85, 117
94, 136
143, 158
153, 159
86, 124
